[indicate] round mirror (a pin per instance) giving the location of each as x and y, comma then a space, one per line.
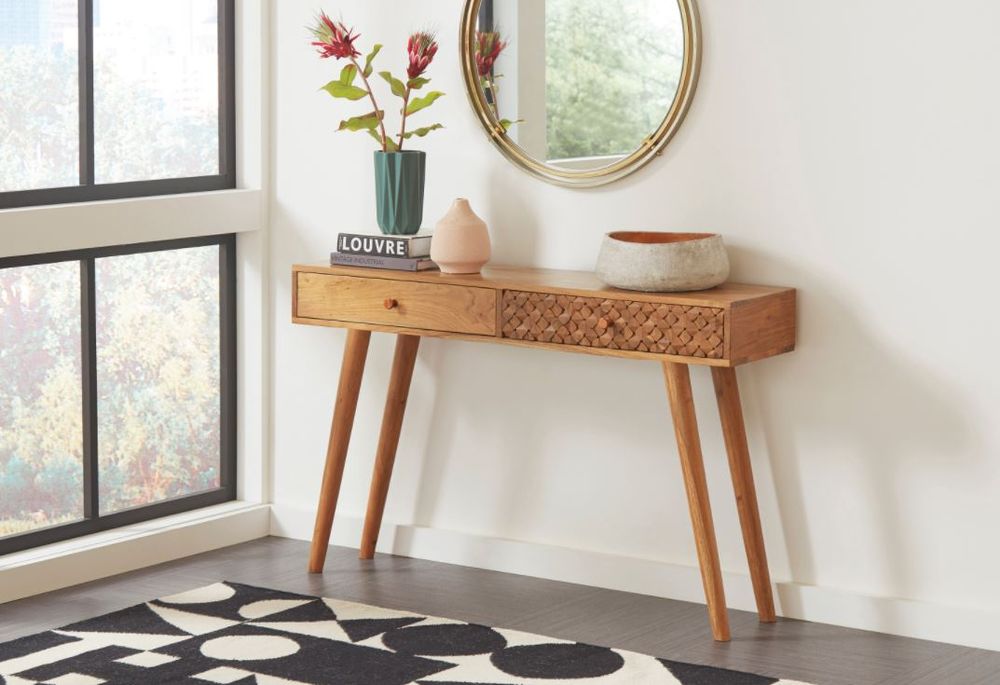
580, 92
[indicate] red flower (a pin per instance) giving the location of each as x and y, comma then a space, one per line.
489, 45
333, 39
421, 48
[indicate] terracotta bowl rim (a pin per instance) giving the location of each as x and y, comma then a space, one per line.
658, 237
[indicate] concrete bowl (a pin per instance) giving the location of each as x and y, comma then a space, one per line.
652, 261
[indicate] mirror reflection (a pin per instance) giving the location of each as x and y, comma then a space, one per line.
579, 84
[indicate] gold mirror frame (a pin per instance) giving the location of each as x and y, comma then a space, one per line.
651, 147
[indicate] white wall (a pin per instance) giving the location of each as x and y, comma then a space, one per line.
850, 149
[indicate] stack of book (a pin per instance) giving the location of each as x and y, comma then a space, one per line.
400, 252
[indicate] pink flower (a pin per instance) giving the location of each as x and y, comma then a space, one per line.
489, 45
334, 39
421, 47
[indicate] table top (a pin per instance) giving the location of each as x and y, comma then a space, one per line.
583, 283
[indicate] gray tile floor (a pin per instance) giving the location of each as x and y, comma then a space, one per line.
816, 653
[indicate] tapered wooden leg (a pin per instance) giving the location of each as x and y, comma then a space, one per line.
727, 392
392, 423
351, 371
689, 445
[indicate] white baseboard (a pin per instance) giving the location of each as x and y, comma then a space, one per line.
81, 560
921, 620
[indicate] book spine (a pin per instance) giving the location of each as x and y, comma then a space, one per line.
381, 246
374, 262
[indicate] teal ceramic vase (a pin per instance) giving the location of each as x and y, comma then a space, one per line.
399, 191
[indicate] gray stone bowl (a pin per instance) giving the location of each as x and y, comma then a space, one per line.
653, 261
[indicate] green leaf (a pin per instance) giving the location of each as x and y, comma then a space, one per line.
422, 103
421, 132
370, 58
418, 83
341, 90
367, 122
398, 89
507, 123
391, 145
348, 74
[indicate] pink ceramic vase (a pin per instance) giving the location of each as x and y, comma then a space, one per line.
461, 242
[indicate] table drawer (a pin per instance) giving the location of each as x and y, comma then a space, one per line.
614, 324
377, 301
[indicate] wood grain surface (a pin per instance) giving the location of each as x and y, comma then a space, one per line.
734, 323
408, 304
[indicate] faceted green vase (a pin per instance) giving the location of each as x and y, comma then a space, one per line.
399, 191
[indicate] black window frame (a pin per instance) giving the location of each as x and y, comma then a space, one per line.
93, 521
88, 190
486, 16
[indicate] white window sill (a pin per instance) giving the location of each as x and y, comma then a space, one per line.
57, 228
87, 558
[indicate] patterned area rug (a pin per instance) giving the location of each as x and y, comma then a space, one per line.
231, 633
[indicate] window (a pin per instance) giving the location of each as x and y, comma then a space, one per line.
117, 387
104, 99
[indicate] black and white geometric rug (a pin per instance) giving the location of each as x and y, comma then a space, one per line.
231, 633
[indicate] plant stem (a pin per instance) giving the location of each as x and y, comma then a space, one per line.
493, 96
371, 96
402, 128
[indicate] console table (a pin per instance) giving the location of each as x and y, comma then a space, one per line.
562, 311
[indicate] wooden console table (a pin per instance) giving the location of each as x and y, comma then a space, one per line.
567, 312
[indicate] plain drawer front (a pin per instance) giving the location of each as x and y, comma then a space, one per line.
428, 306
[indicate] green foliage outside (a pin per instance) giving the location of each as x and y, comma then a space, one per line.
158, 385
138, 136
135, 138
158, 376
39, 120
40, 397
611, 74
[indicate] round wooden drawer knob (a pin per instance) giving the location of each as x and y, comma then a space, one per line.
390, 303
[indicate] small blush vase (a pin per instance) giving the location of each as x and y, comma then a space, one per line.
461, 242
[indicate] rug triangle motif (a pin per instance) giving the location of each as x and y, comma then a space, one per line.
194, 624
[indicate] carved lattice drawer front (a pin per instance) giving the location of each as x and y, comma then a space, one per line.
614, 324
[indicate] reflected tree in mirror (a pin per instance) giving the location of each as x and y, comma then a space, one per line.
607, 91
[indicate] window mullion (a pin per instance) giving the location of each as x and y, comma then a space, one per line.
88, 349
227, 89
86, 82
228, 364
